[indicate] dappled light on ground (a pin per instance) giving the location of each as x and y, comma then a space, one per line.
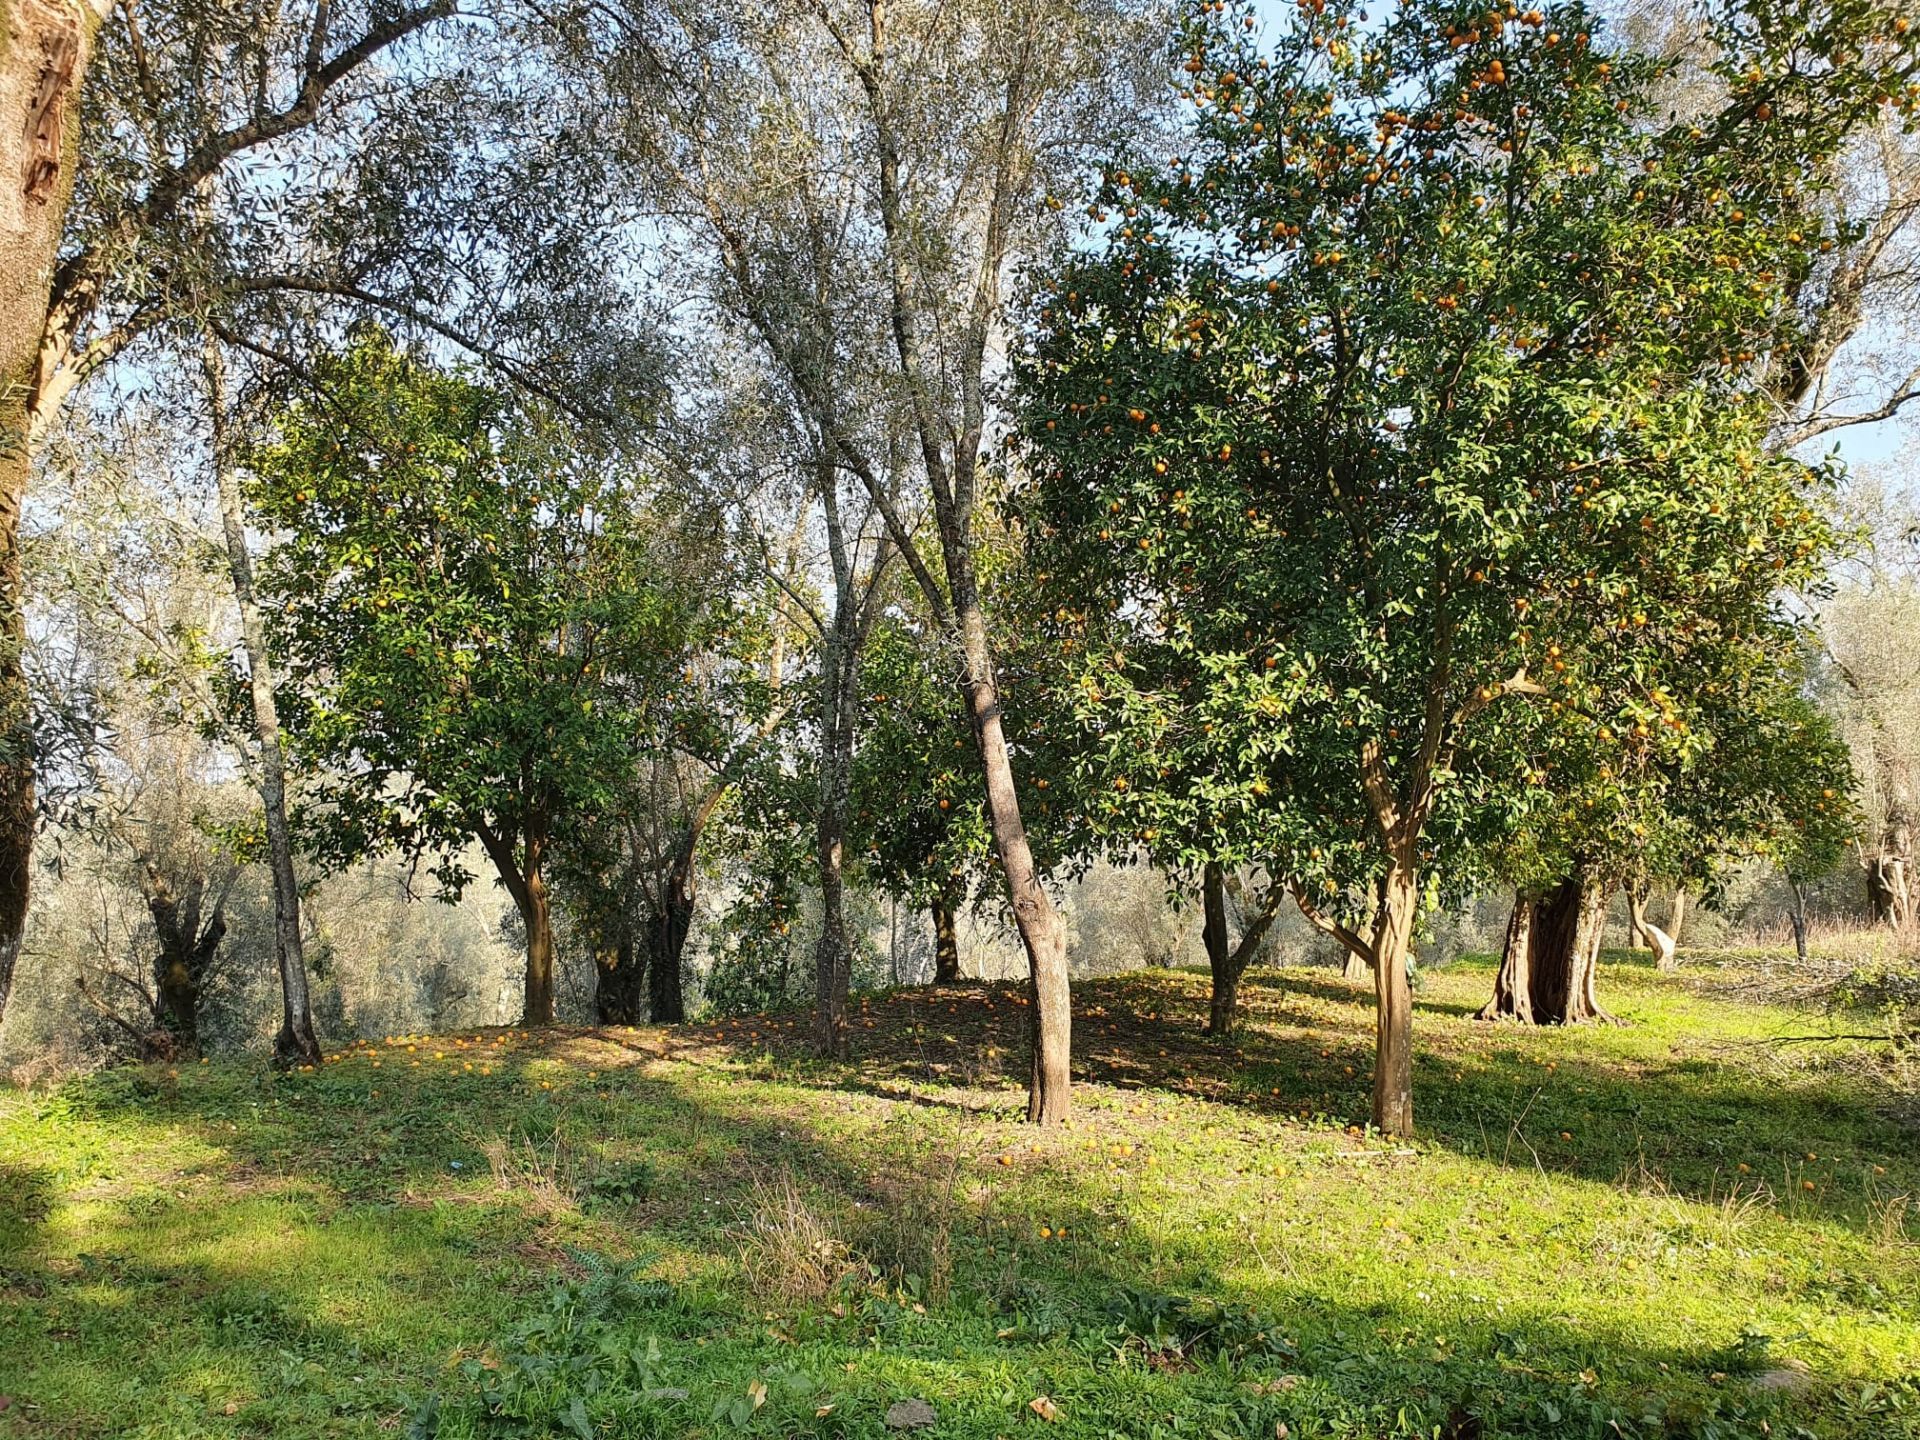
1662, 1227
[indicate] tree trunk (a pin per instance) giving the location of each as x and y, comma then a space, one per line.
667, 930
1213, 933
1229, 962
619, 981
296, 1042
44, 49
1637, 917
946, 941
1565, 953
1798, 916
832, 954
1042, 933
1677, 916
1513, 986
1393, 1000
1356, 970
538, 916
524, 876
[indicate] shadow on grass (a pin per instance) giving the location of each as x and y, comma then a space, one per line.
1097, 1321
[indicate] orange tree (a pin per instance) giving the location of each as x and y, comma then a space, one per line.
1408, 415
477, 621
1768, 777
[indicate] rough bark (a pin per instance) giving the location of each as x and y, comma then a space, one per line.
619, 980
538, 915
296, 1042
1393, 1000
187, 950
1513, 985
522, 870
1549, 967
1565, 953
44, 49
1228, 962
668, 925
946, 941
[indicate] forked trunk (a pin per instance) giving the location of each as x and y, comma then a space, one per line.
1393, 1000
946, 941
1513, 985
296, 1042
1229, 963
523, 874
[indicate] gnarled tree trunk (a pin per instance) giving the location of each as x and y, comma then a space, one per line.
668, 925
1513, 985
1552, 959
619, 980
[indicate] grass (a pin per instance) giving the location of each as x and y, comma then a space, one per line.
1671, 1228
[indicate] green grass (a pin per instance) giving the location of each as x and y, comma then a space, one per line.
1572, 1248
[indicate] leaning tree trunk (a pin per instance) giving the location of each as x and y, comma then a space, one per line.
1513, 985
1677, 916
296, 1042
44, 49
1393, 999
1637, 938
946, 940
1042, 933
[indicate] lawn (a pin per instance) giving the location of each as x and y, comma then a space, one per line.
1673, 1227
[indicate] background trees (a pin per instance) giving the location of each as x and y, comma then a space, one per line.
476, 616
